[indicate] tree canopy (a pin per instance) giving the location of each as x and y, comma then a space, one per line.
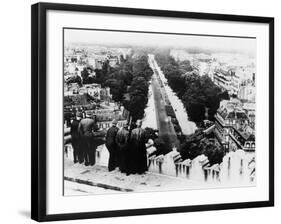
74, 79
200, 96
138, 98
205, 146
130, 77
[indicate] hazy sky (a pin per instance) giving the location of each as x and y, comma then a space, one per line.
243, 45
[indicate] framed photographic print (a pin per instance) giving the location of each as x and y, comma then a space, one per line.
139, 111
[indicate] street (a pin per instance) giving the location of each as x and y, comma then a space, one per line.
188, 127
164, 124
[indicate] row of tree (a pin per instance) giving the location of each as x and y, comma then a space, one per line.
205, 146
128, 82
200, 96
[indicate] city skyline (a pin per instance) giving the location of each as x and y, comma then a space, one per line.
244, 45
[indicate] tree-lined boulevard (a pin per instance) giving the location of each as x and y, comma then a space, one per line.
165, 126
173, 101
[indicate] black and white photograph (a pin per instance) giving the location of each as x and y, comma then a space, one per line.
155, 112
139, 111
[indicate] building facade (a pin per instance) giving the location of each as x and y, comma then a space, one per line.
227, 80
232, 127
247, 92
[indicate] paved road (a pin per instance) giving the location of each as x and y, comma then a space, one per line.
164, 124
188, 127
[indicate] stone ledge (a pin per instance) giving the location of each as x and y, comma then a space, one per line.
105, 186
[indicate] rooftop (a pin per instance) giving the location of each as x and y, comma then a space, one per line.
232, 109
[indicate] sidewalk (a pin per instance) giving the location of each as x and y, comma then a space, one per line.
98, 177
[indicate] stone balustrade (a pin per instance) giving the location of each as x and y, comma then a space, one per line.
236, 169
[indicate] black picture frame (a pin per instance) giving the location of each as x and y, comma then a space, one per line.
38, 108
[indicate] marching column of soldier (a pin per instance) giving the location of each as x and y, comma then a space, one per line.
126, 146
